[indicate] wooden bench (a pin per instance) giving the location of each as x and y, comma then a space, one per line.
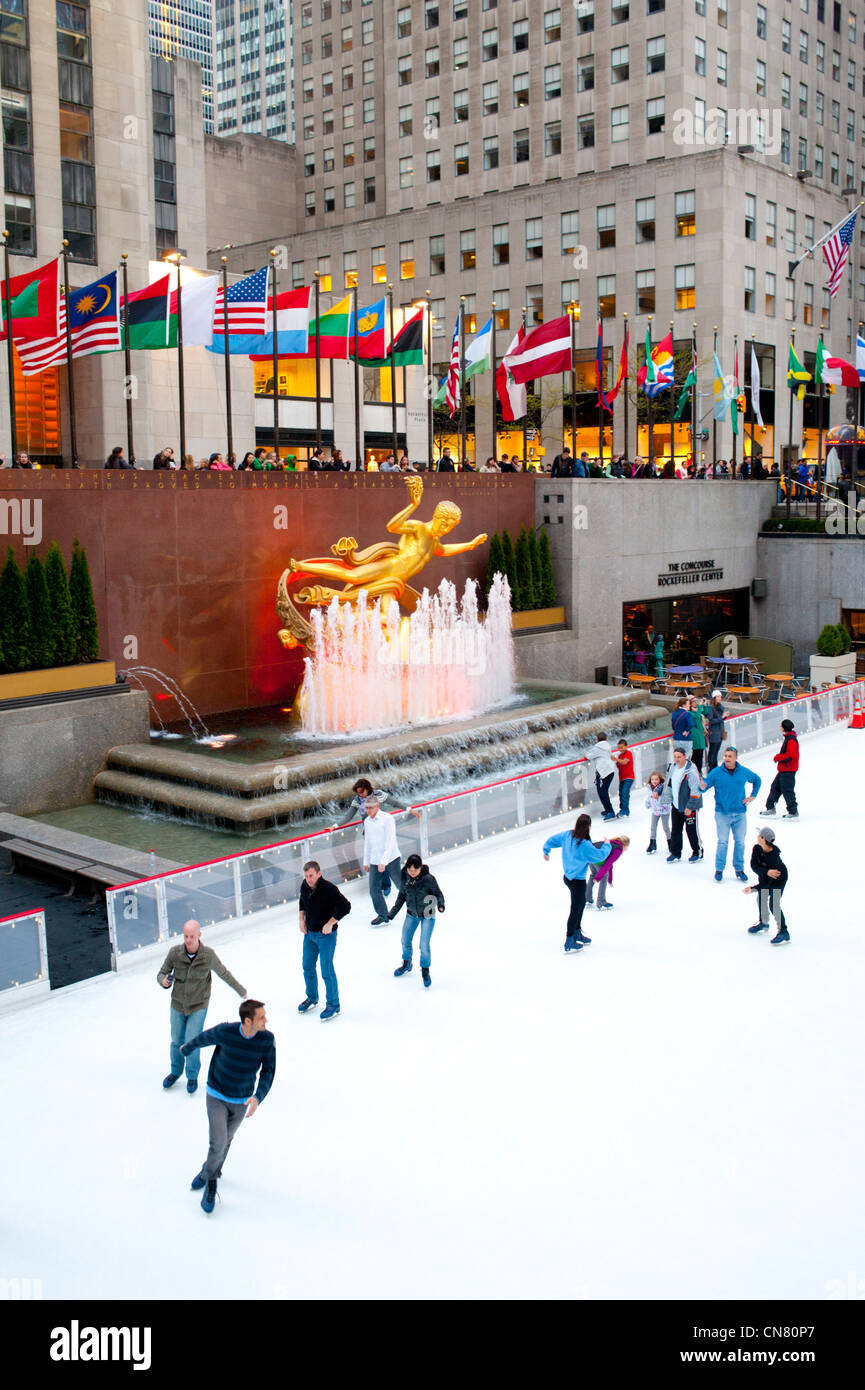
71, 864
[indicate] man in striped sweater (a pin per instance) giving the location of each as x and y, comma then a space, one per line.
242, 1052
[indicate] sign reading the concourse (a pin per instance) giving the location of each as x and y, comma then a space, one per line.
690, 572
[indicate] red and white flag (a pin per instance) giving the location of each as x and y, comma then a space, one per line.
543, 352
513, 397
453, 385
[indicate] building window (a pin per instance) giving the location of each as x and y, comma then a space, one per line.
348, 195
367, 32
761, 21
785, 90
431, 62
327, 123
750, 217
645, 215
310, 204
403, 22
461, 160
433, 166
820, 55
620, 64
803, 45
403, 71
309, 165
521, 89
585, 132
586, 73
368, 71
502, 301
819, 107
405, 124
329, 199
323, 269
368, 110
20, 223
552, 139
552, 26
620, 12
461, 54
552, 81
521, 147
700, 57
379, 268
348, 79
834, 174
771, 223
501, 244
570, 233
534, 238
347, 117
721, 71
655, 116
785, 35
585, 16
470, 313
606, 219
369, 190
807, 303
437, 314
607, 296
656, 54
521, 35
490, 98
461, 107
298, 276
468, 250
769, 305
327, 46
534, 305
818, 161
571, 298
683, 283
750, 289
76, 127
489, 45
761, 78
346, 41
406, 260
436, 255
619, 123
406, 171
645, 291
491, 151
686, 213
431, 14
327, 162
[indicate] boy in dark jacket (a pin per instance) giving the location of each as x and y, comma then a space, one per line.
771, 873
784, 781
322, 907
421, 895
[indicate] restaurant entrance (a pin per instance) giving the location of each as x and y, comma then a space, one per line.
683, 625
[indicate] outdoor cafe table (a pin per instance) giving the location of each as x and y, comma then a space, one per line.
684, 670
687, 685
640, 680
743, 690
735, 665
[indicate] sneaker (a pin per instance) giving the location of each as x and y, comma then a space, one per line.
170, 1080
605, 907
378, 921
192, 1087
571, 944
695, 858
741, 876
424, 970
198, 1182
583, 940
718, 875
673, 858
329, 1013
782, 939
404, 968
306, 1006
208, 1201
758, 927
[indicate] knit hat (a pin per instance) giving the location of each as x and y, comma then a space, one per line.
768, 834
714, 693
787, 725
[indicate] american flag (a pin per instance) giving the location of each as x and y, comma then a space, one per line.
836, 250
102, 335
452, 388
247, 306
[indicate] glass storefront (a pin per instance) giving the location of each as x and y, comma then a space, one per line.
686, 623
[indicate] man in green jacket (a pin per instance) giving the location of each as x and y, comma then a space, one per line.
188, 969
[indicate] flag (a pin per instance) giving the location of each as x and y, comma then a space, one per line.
408, 350
599, 370
834, 371
860, 357
543, 352
198, 302
755, 387
478, 351
656, 374
452, 380
148, 315
723, 390
370, 337
734, 403
511, 395
331, 329
246, 305
623, 369
292, 329
94, 327
690, 382
836, 252
796, 374
35, 302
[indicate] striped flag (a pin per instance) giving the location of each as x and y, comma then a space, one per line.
292, 329
452, 385
511, 395
837, 251
755, 387
860, 356
95, 327
247, 306
543, 352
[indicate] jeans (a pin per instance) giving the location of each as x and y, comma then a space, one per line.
737, 821
577, 889
603, 788
320, 948
625, 795
409, 927
376, 883
783, 784
686, 821
224, 1119
185, 1027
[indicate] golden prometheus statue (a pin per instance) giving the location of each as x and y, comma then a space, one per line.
382, 570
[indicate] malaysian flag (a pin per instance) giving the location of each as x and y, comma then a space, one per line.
837, 250
247, 306
452, 385
95, 327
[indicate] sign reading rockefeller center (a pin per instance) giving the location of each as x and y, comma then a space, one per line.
689, 572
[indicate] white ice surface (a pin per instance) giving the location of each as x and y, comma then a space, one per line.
675, 1111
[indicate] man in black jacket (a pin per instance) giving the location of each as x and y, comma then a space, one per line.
563, 465
421, 895
322, 906
446, 463
771, 873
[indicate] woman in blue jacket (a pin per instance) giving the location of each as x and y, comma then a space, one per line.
578, 853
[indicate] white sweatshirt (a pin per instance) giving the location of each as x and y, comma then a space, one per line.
379, 839
599, 757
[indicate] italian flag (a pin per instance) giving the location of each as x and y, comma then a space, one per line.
834, 371
35, 302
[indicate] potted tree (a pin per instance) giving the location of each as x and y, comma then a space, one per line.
834, 661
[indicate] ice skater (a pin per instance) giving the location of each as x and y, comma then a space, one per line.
186, 971
784, 781
624, 760
242, 1052
729, 782
363, 789
602, 874
660, 812
599, 757
381, 855
421, 895
322, 908
578, 853
771, 871
681, 793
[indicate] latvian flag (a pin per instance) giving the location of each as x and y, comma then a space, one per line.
95, 327
511, 396
246, 306
544, 351
452, 384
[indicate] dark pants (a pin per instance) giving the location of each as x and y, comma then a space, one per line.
770, 901
783, 784
713, 755
224, 1119
687, 821
603, 787
697, 758
577, 889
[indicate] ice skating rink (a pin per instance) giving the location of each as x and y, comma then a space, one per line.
673, 1112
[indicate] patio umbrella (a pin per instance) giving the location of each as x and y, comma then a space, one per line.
832, 471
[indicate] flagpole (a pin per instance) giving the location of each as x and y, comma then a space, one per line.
392, 373
789, 434
70, 372
860, 420
714, 420
627, 365
792, 266
318, 367
130, 448
671, 407
10, 353
601, 391
650, 420
735, 402
180, 382
495, 448
227, 356
358, 461
273, 291
754, 355
526, 416
819, 436
463, 380
694, 449
430, 383
573, 317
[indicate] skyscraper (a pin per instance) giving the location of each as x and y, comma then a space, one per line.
184, 29
254, 68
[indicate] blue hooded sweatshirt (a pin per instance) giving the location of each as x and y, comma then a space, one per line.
577, 855
729, 787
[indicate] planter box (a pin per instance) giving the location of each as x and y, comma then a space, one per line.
538, 617
832, 670
53, 680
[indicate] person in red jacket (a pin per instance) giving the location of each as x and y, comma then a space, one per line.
624, 761
784, 781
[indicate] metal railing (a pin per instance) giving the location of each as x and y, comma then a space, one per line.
153, 910
23, 954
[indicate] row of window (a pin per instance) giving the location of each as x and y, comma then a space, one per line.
306, 10
786, 27
77, 174
585, 11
